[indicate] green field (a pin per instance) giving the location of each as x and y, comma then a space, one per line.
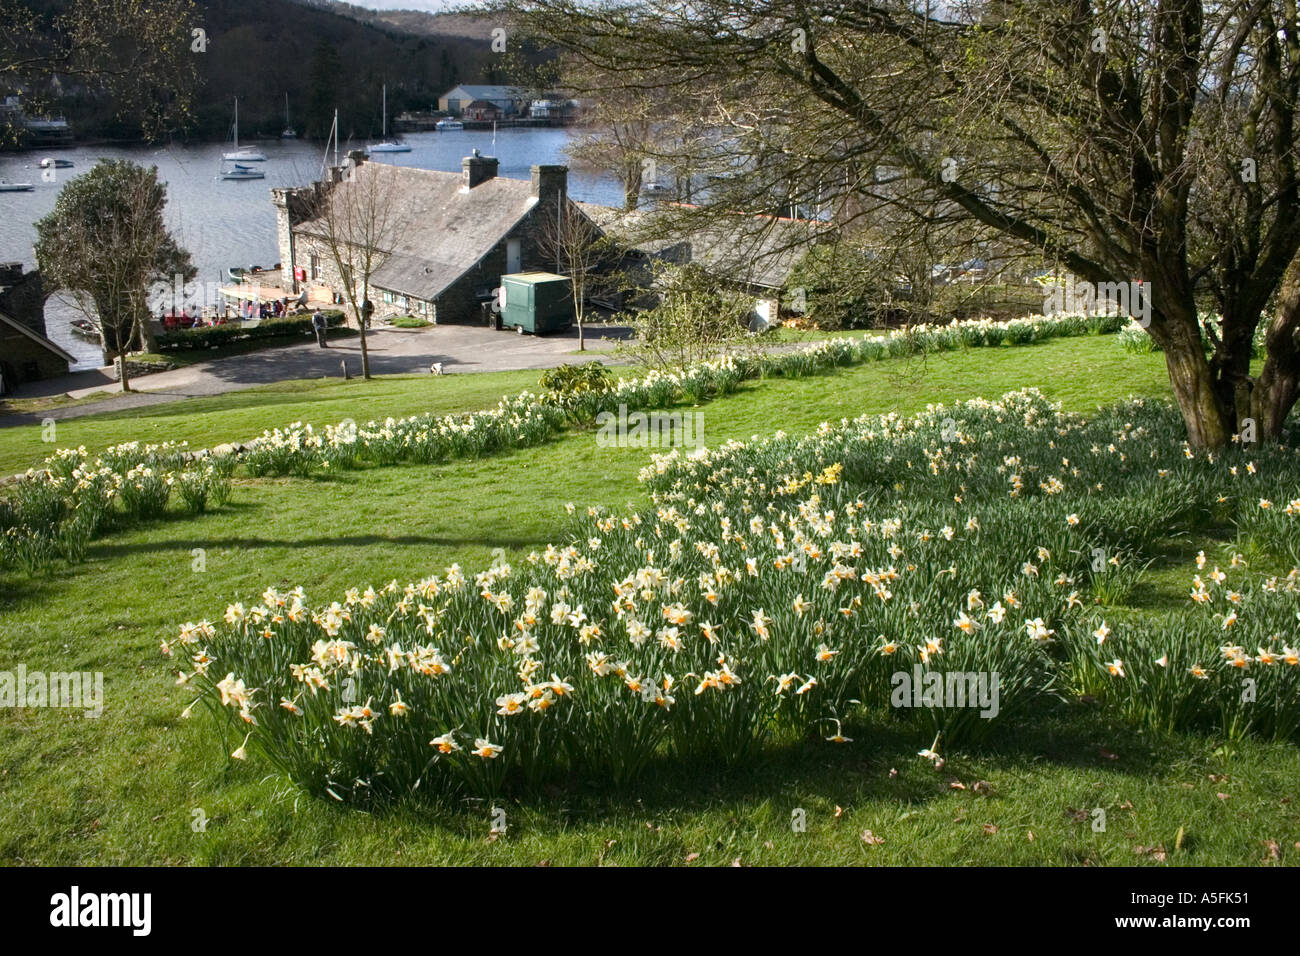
129, 787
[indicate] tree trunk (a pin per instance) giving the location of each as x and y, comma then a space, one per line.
1209, 423
125, 377
147, 338
361, 324
1274, 393
631, 183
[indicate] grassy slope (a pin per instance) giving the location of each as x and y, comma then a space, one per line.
124, 788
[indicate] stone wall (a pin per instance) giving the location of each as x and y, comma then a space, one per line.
22, 296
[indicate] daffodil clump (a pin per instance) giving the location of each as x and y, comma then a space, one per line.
775, 589
1134, 338
1231, 665
527, 419
55, 512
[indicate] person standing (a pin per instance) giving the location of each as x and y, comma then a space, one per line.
318, 323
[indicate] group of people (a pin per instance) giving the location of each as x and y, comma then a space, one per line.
276, 308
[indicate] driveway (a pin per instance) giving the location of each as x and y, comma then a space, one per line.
392, 352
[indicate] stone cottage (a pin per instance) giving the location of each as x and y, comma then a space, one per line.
458, 234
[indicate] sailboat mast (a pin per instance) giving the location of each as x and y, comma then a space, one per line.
336, 137
385, 112
236, 124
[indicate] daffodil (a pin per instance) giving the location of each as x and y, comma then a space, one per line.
486, 749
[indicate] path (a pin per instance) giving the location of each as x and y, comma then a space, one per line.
392, 352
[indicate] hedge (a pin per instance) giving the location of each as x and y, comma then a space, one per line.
210, 336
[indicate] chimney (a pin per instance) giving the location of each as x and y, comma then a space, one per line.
478, 169
550, 183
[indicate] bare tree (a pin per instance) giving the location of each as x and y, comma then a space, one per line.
1131, 143
581, 253
359, 220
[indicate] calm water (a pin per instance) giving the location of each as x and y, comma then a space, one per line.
224, 223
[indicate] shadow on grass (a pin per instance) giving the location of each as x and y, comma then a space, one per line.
880, 765
110, 551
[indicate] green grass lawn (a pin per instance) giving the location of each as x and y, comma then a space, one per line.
129, 787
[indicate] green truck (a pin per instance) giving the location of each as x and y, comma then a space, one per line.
536, 302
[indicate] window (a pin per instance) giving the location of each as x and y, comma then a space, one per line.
315, 267
388, 297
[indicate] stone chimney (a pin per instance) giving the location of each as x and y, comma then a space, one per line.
478, 169
550, 183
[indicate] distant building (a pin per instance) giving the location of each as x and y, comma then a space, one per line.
482, 111
561, 110
512, 101
461, 234
26, 353
33, 131
756, 255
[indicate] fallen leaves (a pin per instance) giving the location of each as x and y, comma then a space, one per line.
870, 839
989, 828
692, 857
1156, 853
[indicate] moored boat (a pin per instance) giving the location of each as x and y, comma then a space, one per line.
448, 125
388, 145
7, 187
242, 172
49, 163
244, 155
85, 330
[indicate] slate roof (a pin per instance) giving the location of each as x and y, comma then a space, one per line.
492, 92
754, 250
36, 337
444, 231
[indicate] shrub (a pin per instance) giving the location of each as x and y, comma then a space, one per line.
211, 336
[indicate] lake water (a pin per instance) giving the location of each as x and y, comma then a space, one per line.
224, 223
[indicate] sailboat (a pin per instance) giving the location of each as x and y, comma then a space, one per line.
247, 154
388, 146
289, 131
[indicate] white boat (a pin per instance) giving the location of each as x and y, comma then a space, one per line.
247, 154
48, 163
448, 125
7, 187
242, 172
387, 146
289, 131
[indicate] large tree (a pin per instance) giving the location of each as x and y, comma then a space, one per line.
141, 56
1125, 140
106, 244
